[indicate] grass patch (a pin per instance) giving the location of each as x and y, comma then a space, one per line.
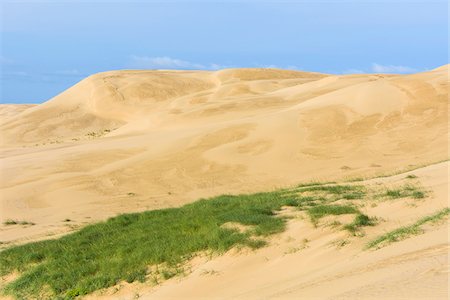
122, 248
360, 220
314, 183
407, 231
334, 192
407, 190
320, 211
333, 189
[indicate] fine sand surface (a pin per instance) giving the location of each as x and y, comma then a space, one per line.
126, 141
332, 264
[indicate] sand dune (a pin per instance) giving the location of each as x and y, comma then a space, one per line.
125, 141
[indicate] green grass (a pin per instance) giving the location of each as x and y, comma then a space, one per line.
406, 231
320, 211
360, 220
122, 248
407, 190
313, 183
10, 222
333, 192
333, 189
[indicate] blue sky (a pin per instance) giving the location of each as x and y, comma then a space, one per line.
47, 46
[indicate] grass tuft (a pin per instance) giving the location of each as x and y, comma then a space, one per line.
405, 191
16, 222
406, 231
360, 220
317, 212
10, 222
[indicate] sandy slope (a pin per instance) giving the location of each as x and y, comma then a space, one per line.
323, 267
134, 140
10, 110
416, 268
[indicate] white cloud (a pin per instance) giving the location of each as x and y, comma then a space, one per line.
165, 62
377, 68
353, 71
272, 66
169, 63
217, 67
268, 66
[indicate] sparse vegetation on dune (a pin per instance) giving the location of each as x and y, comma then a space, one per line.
360, 220
97, 134
16, 222
408, 190
154, 245
406, 231
398, 171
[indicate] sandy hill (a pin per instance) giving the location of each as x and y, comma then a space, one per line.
134, 140
124, 141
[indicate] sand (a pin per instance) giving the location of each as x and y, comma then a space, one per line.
416, 268
125, 141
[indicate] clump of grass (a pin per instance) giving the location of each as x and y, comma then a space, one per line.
10, 222
418, 194
333, 189
317, 212
405, 191
397, 193
411, 176
122, 248
292, 202
210, 272
100, 133
335, 223
340, 243
16, 222
354, 195
406, 231
303, 245
314, 183
360, 220
348, 192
